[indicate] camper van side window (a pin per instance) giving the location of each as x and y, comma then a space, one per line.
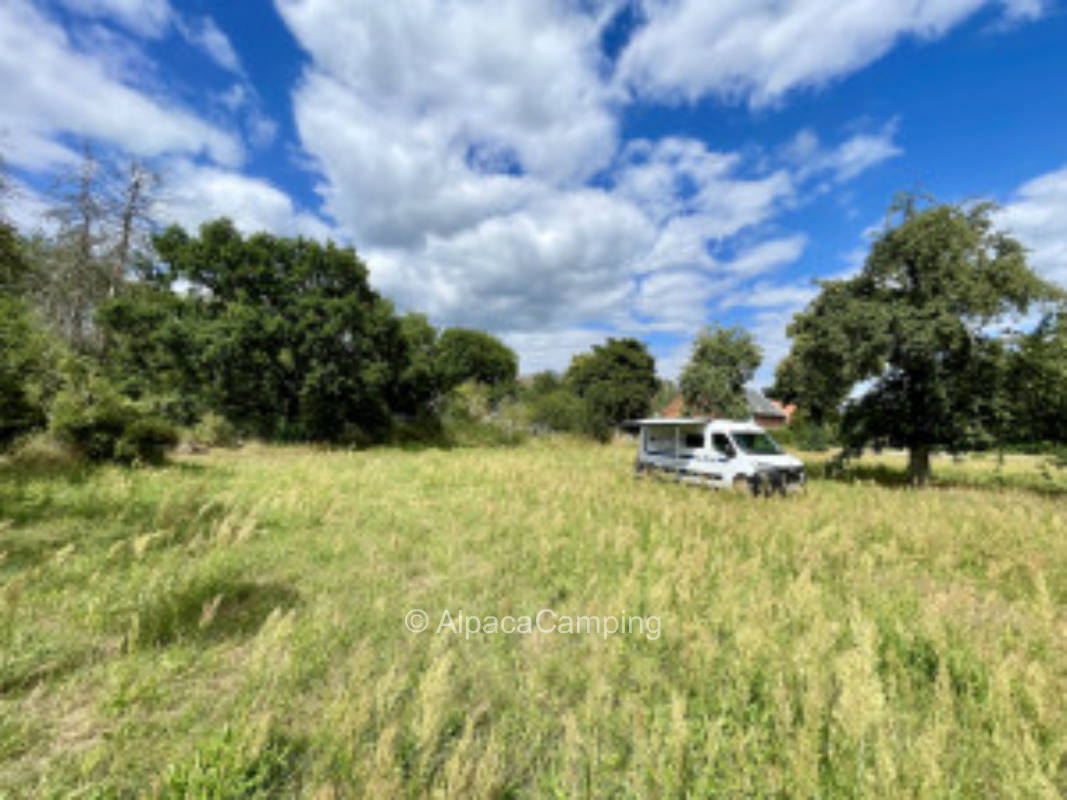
721, 443
694, 441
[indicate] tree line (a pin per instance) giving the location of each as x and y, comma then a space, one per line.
114, 332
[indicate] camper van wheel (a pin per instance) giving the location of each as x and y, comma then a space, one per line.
742, 484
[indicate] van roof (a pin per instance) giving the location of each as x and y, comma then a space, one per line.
678, 422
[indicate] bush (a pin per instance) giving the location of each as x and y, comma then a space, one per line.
27, 375
215, 430
558, 410
42, 451
146, 441
803, 434
99, 424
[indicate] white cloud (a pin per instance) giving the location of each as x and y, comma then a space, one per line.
462, 172
768, 255
552, 350
34, 151
421, 115
194, 194
758, 50
556, 263
767, 295
678, 177
1036, 217
204, 34
675, 300
25, 207
149, 18
846, 161
70, 92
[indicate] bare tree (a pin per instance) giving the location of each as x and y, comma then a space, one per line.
133, 218
74, 274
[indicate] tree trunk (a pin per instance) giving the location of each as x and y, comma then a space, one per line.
919, 464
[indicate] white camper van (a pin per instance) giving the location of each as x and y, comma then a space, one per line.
717, 453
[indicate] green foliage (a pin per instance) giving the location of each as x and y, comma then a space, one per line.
468, 401
557, 410
471, 418
155, 349
99, 424
615, 382
915, 320
146, 440
420, 382
15, 271
666, 392
214, 430
1037, 383
463, 354
722, 362
284, 335
803, 433
250, 765
28, 378
551, 403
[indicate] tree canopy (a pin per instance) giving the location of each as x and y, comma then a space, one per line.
722, 362
464, 354
616, 382
915, 321
285, 335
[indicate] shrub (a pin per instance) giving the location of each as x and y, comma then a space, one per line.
27, 375
558, 410
98, 423
146, 441
215, 430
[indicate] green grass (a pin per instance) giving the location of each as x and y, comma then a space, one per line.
232, 626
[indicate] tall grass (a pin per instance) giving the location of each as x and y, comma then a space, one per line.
233, 626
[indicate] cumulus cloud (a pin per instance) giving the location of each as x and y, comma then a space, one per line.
758, 50
1035, 216
464, 176
68, 91
541, 350
559, 262
195, 193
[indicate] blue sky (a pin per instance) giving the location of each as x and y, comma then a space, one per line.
558, 171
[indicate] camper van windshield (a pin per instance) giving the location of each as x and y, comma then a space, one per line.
757, 444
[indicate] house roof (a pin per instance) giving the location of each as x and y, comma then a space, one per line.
758, 405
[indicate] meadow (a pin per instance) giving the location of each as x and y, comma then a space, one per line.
233, 625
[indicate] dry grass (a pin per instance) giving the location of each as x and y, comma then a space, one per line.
233, 626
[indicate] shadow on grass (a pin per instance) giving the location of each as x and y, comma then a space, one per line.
887, 476
209, 611
203, 612
16, 678
44, 508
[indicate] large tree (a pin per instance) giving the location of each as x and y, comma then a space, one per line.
27, 355
916, 321
284, 336
1037, 382
464, 354
616, 382
722, 362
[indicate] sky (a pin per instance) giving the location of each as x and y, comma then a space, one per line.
558, 171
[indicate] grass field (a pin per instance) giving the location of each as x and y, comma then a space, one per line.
233, 625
